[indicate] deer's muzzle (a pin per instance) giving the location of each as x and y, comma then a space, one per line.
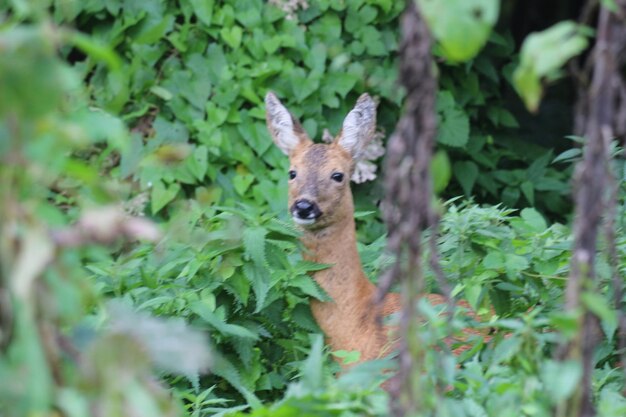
305, 212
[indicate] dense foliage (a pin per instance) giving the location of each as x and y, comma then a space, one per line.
155, 107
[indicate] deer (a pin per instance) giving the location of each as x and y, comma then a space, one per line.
320, 202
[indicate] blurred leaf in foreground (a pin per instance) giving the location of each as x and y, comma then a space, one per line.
461, 27
543, 55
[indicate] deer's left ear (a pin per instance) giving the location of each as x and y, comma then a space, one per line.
358, 126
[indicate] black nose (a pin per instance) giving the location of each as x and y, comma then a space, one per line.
306, 209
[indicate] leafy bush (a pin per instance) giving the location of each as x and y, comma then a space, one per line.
236, 274
61, 350
493, 160
517, 264
190, 85
187, 79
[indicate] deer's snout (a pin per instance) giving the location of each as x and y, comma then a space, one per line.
305, 211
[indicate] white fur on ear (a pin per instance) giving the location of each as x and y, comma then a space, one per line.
359, 126
285, 130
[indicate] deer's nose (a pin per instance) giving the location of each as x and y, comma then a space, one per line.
306, 209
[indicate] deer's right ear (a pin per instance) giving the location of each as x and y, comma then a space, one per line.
284, 128
358, 126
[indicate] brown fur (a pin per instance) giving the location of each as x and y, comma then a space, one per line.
351, 320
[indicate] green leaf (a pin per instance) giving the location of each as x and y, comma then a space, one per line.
259, 278
94, 49
506, 350
359, 18
568, 155
232, 36
550, 184
601, 307
537, 168
566, 322
364, 214
312, 377
542, 56
473, 408
461, 27
255, 134
218, 70
534, 219
204, 312
466, 173
507, 119
611, 403
167, 132
510, 196
501, 298
240, 287
242, 182
162, 194
161, 92
198, 162
248, 13
316, 58
303, 267
27, 353
225, 369
254, 244
514, 264
473, 291
309, 287
440, 171
347, 357
610, 5
371, 38
301, 316
560, 379
453, 124
501, 117
494, 260
203, 9
152, 303
304, 85
528, 189
328, 27
339, 82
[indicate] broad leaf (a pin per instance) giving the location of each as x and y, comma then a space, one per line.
543, 55
462, 27
453, 123
466, 173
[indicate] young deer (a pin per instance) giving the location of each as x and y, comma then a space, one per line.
320, 201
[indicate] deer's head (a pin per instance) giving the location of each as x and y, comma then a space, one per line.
319, 174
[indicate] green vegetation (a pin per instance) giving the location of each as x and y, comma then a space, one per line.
116, 112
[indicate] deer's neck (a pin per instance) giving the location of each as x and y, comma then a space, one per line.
349, 320
336, 246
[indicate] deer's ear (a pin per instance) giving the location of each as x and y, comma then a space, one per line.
359, 126
284, 128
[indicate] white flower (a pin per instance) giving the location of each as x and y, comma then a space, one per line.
290, 7
365, 169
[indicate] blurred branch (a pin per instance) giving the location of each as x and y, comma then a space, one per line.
408, 204
105, 225
610, 228
598, 109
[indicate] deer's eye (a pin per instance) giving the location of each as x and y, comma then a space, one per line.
337, 176
292, 174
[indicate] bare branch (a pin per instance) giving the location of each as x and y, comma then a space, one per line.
598, 111
407, 207
106, 225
